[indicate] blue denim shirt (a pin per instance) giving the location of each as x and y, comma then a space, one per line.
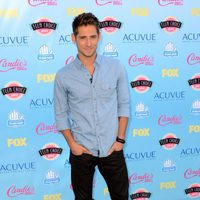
90, 105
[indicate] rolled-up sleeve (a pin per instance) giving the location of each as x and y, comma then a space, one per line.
60, 104
123, 93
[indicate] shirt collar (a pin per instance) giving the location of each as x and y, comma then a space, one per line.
79, 64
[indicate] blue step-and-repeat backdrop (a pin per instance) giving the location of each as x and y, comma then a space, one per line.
158, 42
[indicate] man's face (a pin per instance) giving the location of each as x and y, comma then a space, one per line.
86, 41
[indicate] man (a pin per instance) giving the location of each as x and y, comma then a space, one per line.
92, 109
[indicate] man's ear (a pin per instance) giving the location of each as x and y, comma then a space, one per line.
73, 38
99, 36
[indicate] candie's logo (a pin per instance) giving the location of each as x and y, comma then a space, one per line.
170, 25
194, 82
50, 151
169, 141
13, 90
42, 2
17, 64
164, 120
43, 129
193, 59
135, 60
110, 25
141, 84
190, 173
44, 26
170, 2
13, 191
145, 178
106, 2
69, 60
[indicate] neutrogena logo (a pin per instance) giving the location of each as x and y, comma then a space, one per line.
45, 54
51, 177
170, 50
13, 191
141, 110
195, 108
15, 119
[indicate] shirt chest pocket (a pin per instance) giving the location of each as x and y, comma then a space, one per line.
106, 90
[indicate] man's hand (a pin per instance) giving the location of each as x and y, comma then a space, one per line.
78, 150
117, 146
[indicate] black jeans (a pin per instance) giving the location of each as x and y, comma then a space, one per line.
112, 168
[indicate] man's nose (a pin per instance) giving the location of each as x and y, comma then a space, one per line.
88, 41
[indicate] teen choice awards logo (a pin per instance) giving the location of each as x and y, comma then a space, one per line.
169, 141
141, 84
13, 90
44, 26
170, 25
109, 25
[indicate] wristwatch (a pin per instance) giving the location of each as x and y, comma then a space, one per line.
120, 140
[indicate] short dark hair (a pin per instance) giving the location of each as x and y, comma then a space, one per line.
85, 19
